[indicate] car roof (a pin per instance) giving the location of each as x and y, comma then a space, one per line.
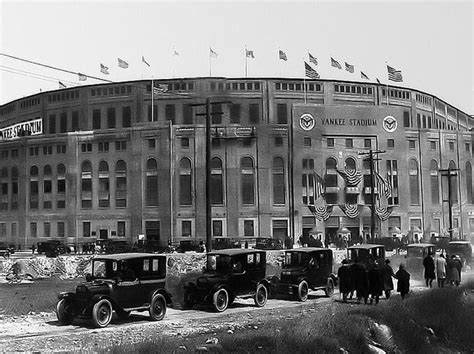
127, 256
459, 242
235, 251
365, 246
413, 245
308, 249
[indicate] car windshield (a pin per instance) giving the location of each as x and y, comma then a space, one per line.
104, 268
457, 248
218, 263
295, 259
415, 252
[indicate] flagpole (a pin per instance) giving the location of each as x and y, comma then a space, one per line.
152, 95
246, 58
387, 82
210, 69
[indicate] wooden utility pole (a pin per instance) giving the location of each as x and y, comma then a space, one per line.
448, 173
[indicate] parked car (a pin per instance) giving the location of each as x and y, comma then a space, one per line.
391, 243
51, 248
188, 246
416, 253
119, 282
148, 246
6, 250
366, 253
230, 273
268, 243
440, 242
223, 243
461, 248
303, 269
110, 246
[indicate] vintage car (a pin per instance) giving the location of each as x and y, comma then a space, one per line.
268, 243
303, 269
230, 273
391, 243
6, 250
111, 246
122, 283
366, 253
148, 246
51, 248
462, 249
416, 253
441, 242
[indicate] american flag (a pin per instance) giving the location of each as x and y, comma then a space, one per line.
122, 63
363, 76
385, 185
145, 62
310, 72
282, 55
349, 67
249, 54
212, 53
318, 186
104, 69
335, 63
394, 75
312, 59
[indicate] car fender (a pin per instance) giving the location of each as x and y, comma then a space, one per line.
165, 294
65, 295
96, 298
334, 278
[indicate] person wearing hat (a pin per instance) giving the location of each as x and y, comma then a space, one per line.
403, 284
387, 274
441, 270
344, 275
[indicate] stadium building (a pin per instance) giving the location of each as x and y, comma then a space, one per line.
289, 158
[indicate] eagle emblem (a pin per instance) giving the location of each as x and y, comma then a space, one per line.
390, 124
307, 121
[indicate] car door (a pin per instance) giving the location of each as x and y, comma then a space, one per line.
127, 286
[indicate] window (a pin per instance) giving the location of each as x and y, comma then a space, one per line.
469, 193
249, 229
432, 145
216, 113
61, 187
33, 230
217, 229
14, 192
121, 228
86, 229
86, 147
151, 144
120, 145
96, 119
278, 141
111, 117
278, 181
86, 185
282, 113
468, 147
330, 142
47, 229
349, 143
390, 143
34, 187
47, 150
63, 122
103, 147
170, 113
126, 116
217, 189
434, 182
187, 114
60, 149
75, 121
280, 229
61, 229
235, 111
414, 182
52, 124
186, 228
185, 179
411, 144
451, 145
254, 113
184, 143
367, 143
454, 183
247, 181
151, 183
307, 141
120, 184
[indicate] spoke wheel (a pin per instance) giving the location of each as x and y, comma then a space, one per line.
303, 291
63, 312
261, 295
157, 307
221, 300
102, 313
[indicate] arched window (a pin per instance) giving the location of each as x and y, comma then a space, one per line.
61, 186
331, 164
14, 188
104, 186
469, 182
454, 183
414, 182
151, 183
247, 176
350, 164
120, 184
434, 179
86, 185
34, 193
278, 181
47, 187
217, 194
185, 182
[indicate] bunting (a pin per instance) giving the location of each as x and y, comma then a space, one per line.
351, 177
384, 212
322, 212
351, 210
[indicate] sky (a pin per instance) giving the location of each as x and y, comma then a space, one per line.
431, 42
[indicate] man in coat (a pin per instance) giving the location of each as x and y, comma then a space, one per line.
441, 270
403, 284
387, 274
375, 282
345, 280
429, 265
361, 280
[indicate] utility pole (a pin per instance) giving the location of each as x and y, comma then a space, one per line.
371, 160
447, 173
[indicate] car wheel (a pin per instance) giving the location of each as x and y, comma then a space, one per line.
303, 291
261, 295
221, 300
123, 315
102, 313
329, 288
63, 312
158, 307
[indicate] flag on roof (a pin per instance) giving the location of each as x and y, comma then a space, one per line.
177, 53
363, 76
312, 59
282, 55
160, 89
310, 72
249, 53
122, 63
335, 63
145, 62
212, 53
61, 85
394, 75
349, 67
82, 77
104, 69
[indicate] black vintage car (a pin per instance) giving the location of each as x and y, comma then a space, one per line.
122, 283
51, 248
462, 249
110, 246
230, 273
367, 253
6, 250
306, 268
416, 253
268, 243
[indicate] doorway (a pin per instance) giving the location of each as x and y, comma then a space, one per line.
103, 234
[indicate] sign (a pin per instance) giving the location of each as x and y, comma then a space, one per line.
390, 124
30, 127
307, 121
351, 121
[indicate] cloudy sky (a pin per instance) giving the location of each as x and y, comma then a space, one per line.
430, 42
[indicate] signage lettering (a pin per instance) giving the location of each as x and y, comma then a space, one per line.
31, 127
351, 122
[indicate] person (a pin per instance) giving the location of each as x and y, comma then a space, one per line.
403, 283
441, 270
453, 273
361, 280
33, 248
202, 247
429, 265
375, 282
345, 280
387, 274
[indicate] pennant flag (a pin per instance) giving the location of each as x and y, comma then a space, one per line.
383, 212
212, 53
394, 75
351, 177
282, 55
335, 63
104, 69
312, 59
363, 76
249, 54
310, 72
318, 186
144, 61
322, 212
351, 210
122, 63
61, 85
82, 77
349, 67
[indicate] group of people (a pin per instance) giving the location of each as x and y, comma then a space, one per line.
372, 281
446, 271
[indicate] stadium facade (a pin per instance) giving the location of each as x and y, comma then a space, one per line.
287, 159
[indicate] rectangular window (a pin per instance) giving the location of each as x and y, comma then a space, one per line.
33, 230
151, 144
47, 229
86, 229
111, 117
63, 122
75, 121
235, 110
184, 143
307, 141
432, 145
330, 142
126, 116
249, 229
451, 145
96, 119
411, 144
186, 228
349, 143
47, 186
282, 113
121, 228
390, 143
170, 113
217, 228
187, 114
278, 141
216, 113
367, 143
468, 147
61, 229
254, 113
52, 124
61, 186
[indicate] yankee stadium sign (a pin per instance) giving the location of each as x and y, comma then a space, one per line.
30, 127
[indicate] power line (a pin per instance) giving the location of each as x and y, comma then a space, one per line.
33, 75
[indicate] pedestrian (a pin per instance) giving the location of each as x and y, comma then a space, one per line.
33, 248
202, 247
345, 280
361, 280
403, 283
453, 274
375, 283
441, 270
429, 265
387, 274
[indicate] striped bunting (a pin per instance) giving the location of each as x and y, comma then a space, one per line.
351, 177
351, 210
322, 212
383, 212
